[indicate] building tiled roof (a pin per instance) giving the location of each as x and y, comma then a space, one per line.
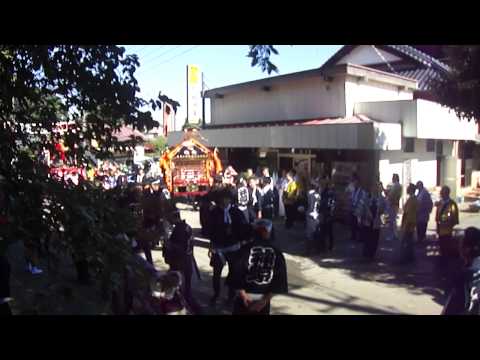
126, 133
355, 119
420, 57
416, 64
424, 76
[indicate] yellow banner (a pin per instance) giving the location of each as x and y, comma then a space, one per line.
193, 74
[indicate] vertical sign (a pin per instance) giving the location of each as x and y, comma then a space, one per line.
139, 154
194, 98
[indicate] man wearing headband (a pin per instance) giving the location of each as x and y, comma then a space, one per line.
228, 229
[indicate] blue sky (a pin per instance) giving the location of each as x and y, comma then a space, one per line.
163, 67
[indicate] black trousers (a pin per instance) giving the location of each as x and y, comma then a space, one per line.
370, 244
267, 213
354, 228
326, 230
290, 214
421, 231
448, 247
276, 202
363, 233
217, 264
185, 266
246, 213
252, 214
240, 309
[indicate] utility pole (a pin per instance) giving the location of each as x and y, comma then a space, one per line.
186, 120
203, 103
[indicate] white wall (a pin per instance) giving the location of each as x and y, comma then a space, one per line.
294, 99
357, 91
402, 111
388, 136
423, 165
438, 122
366, 55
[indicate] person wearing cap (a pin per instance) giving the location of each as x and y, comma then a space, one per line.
259, 273
228, 229
464, 297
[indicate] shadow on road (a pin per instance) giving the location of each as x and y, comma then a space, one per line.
342, 303
421, 277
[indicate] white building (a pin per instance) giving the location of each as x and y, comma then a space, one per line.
362, 110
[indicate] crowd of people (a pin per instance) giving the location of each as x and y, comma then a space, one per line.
237, 217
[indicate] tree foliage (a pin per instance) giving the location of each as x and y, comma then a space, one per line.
459, 89
260, 55
95, 88
159, 144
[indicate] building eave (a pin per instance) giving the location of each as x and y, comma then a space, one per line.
326, 72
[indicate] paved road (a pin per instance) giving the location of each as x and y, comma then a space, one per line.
339, 283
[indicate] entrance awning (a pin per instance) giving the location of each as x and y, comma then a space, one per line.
355, 132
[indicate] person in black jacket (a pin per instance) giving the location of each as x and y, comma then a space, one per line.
243, 198
260, 273
464, 298
228, 229
255, 201
268, 198
327, 211
178, 253
206, 205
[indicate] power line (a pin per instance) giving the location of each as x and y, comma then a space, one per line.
154, 51
188, 50
152, 61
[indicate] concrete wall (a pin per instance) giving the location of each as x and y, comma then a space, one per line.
366, 55
423, 165
403, 112
357, 91
294, 99
438, 122
388, 136
420, 118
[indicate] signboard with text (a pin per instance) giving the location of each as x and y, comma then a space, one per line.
194, 95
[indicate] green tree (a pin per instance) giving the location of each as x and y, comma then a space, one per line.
95, 88
459, 88
159, 144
